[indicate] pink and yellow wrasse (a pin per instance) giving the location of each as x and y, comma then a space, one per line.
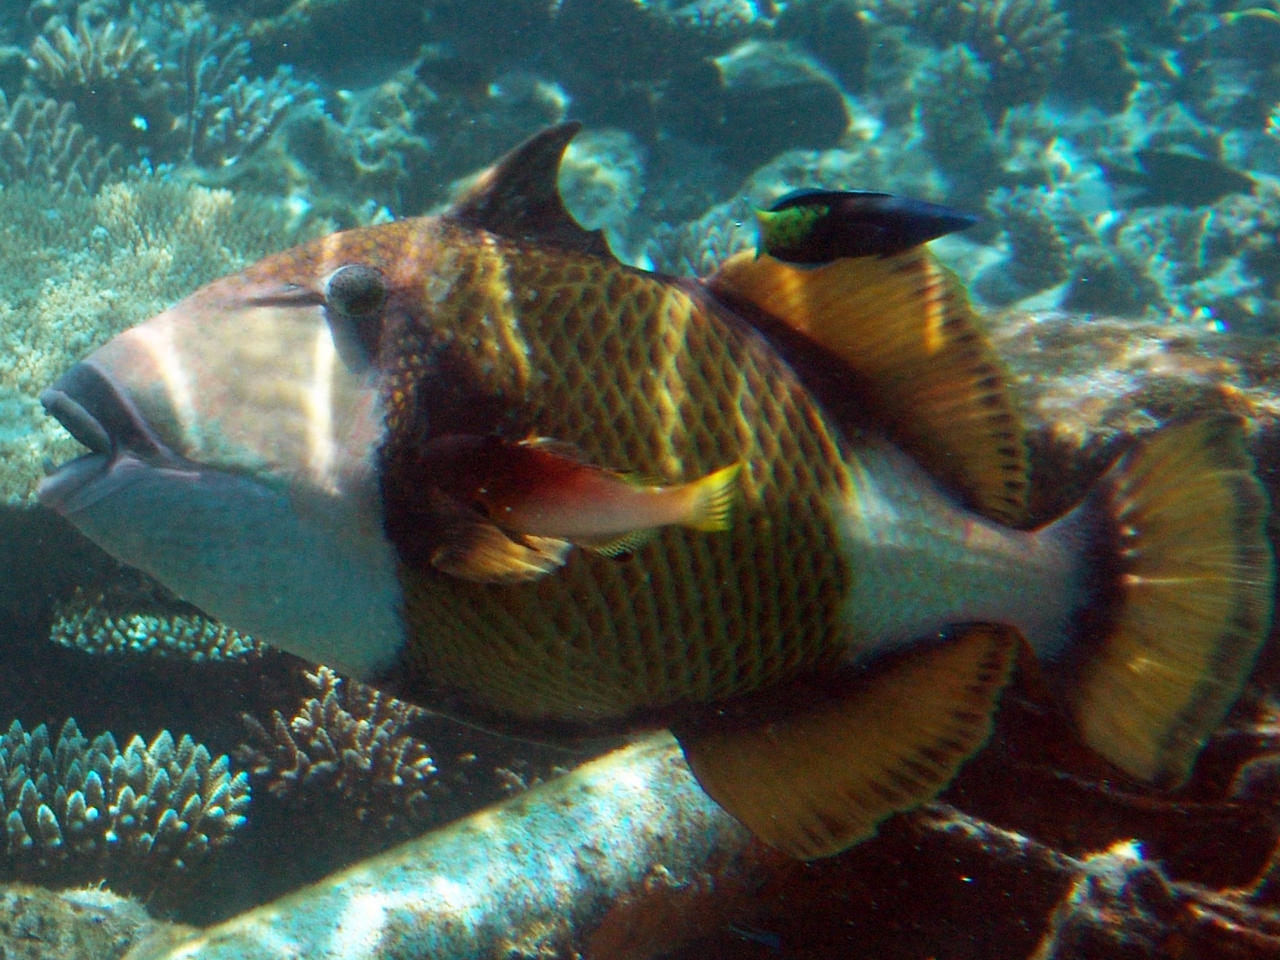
272, 448
541, 488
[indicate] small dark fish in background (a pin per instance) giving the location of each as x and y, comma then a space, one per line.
1176, 179
818, 226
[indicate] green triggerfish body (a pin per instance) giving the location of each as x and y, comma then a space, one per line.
826, 618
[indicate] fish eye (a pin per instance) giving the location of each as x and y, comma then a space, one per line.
356, 290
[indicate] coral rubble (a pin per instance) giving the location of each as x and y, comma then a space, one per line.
79, 924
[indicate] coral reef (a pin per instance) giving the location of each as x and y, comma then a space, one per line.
349, 741
328, 111
87, 267
75, 808
109, 72
1038, 254
225, 115
1020, 41
115, 620
41, 143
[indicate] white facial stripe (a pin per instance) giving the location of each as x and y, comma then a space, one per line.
322, 447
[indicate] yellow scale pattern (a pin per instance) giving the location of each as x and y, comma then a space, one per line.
641, 376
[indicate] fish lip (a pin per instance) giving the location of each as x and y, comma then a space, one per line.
94, 409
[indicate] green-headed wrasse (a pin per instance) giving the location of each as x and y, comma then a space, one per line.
818, 226
828, 653
544, 496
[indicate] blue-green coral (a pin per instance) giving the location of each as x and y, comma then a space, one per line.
73, 809
118, 621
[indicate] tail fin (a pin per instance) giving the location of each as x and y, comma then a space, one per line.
1182, 601
713, 498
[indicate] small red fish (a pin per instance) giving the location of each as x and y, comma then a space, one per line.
541, 488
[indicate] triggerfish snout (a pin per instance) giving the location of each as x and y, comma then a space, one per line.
476, 456
235, 416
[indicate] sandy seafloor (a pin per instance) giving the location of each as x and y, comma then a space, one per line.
1124, 160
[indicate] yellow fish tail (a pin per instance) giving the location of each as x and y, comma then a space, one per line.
1190, 583
712, 498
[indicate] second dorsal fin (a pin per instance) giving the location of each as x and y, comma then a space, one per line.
519, 196
904, 325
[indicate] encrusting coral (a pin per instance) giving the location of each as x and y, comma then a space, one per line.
349, 740
78, 809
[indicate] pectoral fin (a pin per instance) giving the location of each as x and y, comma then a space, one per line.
821, 777
467, 546
487, 555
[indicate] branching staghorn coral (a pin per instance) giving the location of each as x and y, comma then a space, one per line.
75, 809
109, 72
123, 619
349, 740
41, 142
224, 115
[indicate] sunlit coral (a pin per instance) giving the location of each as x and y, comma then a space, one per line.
72, 806
350, 741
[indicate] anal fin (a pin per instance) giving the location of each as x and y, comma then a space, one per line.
820, 777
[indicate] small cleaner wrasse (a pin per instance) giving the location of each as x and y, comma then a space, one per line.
825, 574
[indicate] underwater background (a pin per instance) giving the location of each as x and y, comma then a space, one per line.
1124, 159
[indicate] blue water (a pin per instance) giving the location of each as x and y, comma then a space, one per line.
1124, 163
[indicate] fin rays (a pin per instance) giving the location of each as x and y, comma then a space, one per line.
824, 775
905, 326
1194, 583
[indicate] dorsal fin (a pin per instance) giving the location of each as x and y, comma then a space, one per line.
519, 196
904, 325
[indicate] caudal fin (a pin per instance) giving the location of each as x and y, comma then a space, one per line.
713, 498
1181, 601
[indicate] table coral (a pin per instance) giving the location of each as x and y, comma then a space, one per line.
114, 621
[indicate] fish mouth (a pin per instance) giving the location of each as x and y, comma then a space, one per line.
94, 409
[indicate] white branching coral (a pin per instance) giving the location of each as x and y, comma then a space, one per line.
348, 739
72, 808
